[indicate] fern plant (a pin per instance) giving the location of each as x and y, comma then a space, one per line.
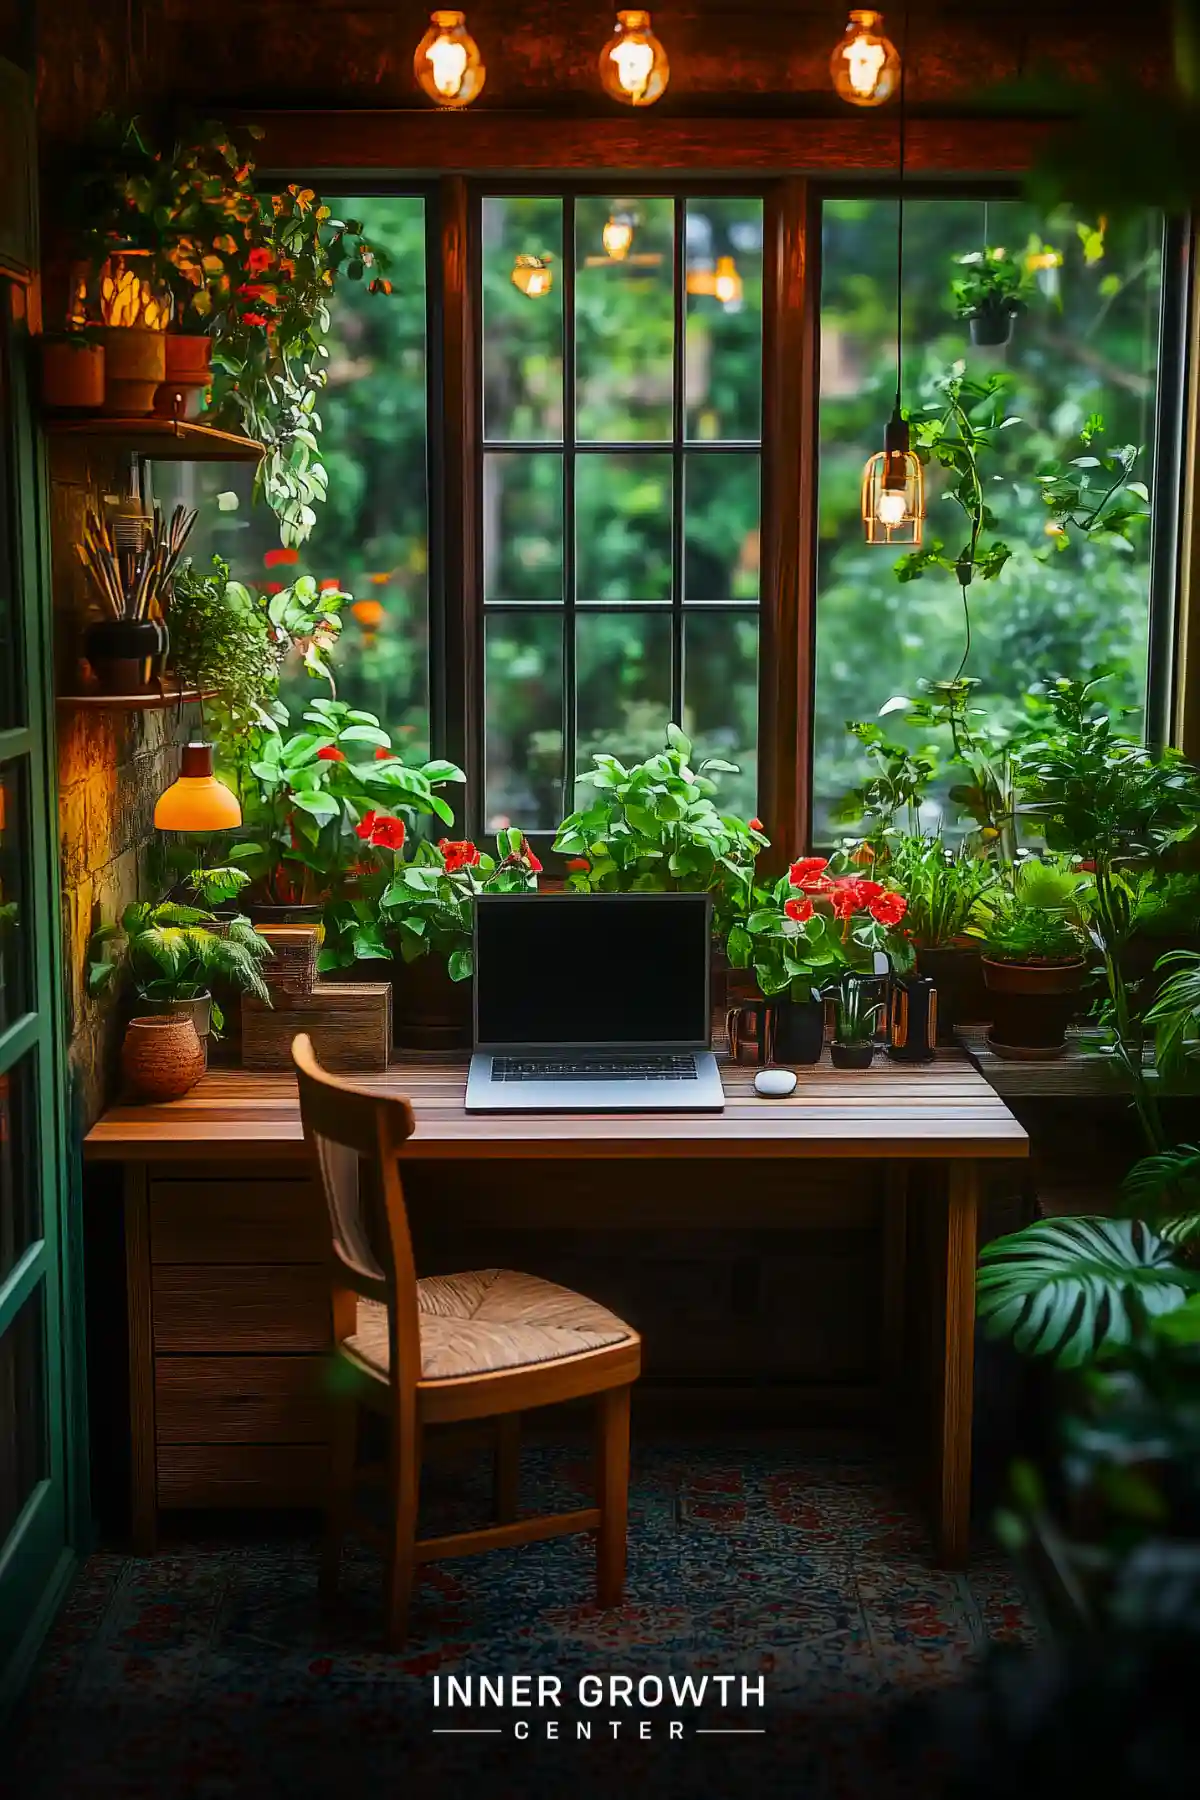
172, 952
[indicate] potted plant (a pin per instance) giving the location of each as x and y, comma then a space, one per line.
821, 921
1034, 959
855, 1016
1164, 916
944, 889
656, 827
418, 911
990, 293
310, 792
73, 369
174, 954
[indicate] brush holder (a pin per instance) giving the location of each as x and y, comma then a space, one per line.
123, 652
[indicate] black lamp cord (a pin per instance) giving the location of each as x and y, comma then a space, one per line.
900, 222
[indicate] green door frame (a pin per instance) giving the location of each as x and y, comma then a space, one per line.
37, 1558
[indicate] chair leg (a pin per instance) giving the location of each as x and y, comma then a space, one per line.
612, 1495
404, 1485
343, 1454
507, 1473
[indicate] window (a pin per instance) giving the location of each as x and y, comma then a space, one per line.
1087, 343
372, 534
621, 486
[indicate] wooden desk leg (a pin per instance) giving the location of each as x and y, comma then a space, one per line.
957, 1373
143, 1477
894, 1250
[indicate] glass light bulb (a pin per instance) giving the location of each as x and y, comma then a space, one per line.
891, 508
531, 276
447, 63
633, 64
865, 66
727, 283
618, 237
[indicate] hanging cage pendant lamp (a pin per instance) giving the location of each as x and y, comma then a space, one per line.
893, 483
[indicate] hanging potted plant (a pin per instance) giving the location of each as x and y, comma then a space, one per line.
855, 1017
990, 293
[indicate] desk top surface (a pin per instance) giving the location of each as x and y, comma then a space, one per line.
941, 1109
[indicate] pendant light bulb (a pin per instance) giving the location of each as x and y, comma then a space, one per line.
447, 63
727, 283
865, 66
633, 64
618, 236
893, 489
532, 276
891, 507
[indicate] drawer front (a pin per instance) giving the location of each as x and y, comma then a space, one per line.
236, 1475
238, 1222
241, 1399
258, 1309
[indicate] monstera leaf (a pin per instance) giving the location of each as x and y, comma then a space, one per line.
1068, 1288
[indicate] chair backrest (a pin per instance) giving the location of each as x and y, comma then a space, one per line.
347, 1127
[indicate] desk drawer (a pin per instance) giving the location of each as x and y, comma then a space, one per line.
240, 1221
241, 1399
256, 1309
236, 1475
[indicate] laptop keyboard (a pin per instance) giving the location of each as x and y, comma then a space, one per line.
617, 1068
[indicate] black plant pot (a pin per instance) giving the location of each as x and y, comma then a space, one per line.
851, 1056
992, 326
799, 1031
122, 653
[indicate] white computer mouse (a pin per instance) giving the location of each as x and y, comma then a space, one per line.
774, 1082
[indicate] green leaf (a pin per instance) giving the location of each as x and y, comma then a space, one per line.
679, 742
461, 965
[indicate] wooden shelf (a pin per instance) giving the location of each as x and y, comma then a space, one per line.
157, 701
163, 440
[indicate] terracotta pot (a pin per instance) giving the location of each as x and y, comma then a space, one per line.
1032, 1005
199, 1011
851, 1056
429, 1011
161, 1057
123, 653
962, 997
188, 376
135, 362
72, 374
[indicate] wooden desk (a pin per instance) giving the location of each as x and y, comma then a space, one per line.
229, 1332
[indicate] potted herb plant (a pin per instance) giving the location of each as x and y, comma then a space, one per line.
944, 889
819, 922
174, 954
855, 1016
1034, 960
990, 293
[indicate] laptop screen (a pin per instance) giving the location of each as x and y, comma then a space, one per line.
614, 971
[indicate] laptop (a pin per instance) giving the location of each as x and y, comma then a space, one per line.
593, 1003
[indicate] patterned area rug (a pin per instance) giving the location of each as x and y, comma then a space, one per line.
206, 1670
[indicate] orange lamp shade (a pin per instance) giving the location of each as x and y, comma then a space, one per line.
197, 801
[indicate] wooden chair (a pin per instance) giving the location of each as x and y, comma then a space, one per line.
485, 1345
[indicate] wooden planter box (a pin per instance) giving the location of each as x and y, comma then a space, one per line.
350, 1024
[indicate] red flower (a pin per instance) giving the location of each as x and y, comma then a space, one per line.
387, 833
457, 854
888, 908
366, 826
809, 874
845, 898
274, 557
756, 824
868, 891
382, 755
331, 753
273, 587
532, 860
1087, 868
331, 585
258, 260
800, 910
253, 318
578, 865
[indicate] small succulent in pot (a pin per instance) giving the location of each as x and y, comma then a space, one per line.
990, 293
855, 1018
